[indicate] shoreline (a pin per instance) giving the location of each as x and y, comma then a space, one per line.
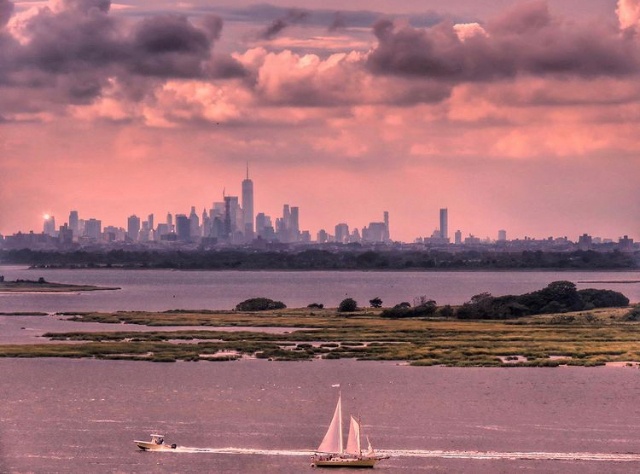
30, 287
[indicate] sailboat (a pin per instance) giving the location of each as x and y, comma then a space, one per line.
331, 452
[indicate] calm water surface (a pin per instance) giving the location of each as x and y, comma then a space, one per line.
81, 416
160, 290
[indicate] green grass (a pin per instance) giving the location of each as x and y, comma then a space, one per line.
586, 338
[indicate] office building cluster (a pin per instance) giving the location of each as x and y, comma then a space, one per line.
231, 221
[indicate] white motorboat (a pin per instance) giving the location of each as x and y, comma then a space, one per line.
155, 444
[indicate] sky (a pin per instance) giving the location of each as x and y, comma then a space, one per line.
514, 115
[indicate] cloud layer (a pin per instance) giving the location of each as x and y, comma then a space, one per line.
81, 53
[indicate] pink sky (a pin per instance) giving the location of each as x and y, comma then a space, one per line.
523, 115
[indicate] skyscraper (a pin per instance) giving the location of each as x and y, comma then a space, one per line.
49, 226
231, 212
183, 227
342, 233
387, 235
444, 224
73, 223
93, 228
194, 223
294, 231
170, 222
133, 227
247, 205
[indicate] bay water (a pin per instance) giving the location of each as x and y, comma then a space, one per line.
255, 416
161, 290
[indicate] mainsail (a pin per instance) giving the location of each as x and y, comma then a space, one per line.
353, 441
332, 441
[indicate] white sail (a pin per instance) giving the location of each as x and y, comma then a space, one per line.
332, 441
353, 442
370, 451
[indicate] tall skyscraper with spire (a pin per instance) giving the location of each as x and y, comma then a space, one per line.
247, 205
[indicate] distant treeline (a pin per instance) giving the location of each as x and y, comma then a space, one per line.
351, 258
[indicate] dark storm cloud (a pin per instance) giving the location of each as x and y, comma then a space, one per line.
71, 41
76, 51
86, 6
322, 18
168, 46
525, 40
212, 26
338, 23
292, 17
6, 9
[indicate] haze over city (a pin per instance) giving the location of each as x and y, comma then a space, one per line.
518, 115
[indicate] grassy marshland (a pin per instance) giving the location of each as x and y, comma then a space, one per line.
584, 338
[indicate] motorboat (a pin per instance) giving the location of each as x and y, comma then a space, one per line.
155, 444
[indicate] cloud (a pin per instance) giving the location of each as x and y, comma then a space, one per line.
76, 52
465, 31
525, 40
73, 48
338, 23
6, 9
168, 46
628, 12
290, 18
524, 19
318, 17
85, 6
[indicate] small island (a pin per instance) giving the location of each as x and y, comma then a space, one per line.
557, 325
42, 286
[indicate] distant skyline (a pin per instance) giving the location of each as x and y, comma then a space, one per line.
516, 115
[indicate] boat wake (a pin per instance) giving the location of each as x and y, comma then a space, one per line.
545, 456
419, 453
262, 452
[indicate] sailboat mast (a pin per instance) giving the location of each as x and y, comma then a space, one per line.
340, 424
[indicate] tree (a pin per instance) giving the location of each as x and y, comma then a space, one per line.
375, 302
446, 311
259, 304
348, 305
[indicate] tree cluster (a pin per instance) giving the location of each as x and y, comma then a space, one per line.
259, 304
557, 297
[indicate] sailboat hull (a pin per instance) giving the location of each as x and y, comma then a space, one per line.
345, 462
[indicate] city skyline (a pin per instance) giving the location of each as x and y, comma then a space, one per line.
518, 115
229, 221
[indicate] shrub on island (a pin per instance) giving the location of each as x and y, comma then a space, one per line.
348, 305
404, 310
633, 315
259, 304
375, 302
